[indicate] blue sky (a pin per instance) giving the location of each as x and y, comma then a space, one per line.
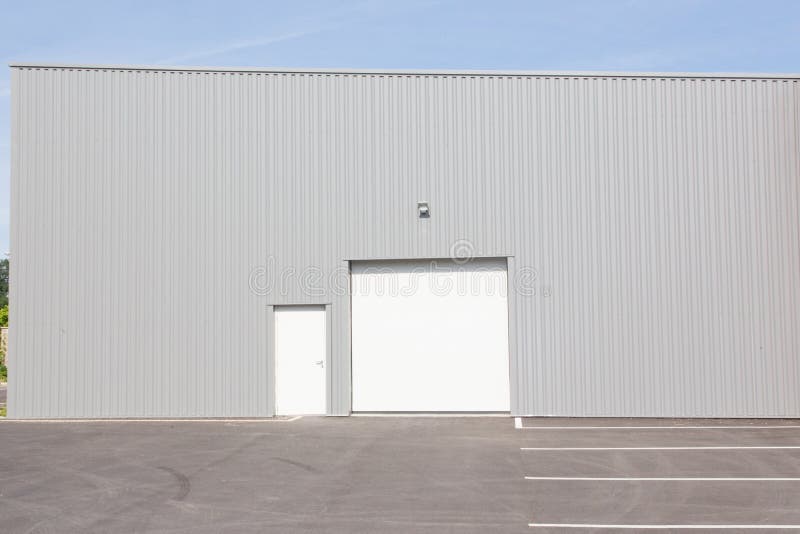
641, 35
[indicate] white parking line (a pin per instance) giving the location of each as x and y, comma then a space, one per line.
672, 479
617, 479
663, 527
661, 427
714, 448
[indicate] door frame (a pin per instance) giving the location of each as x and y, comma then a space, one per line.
271, 360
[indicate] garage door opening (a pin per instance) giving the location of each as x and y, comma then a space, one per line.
430, 336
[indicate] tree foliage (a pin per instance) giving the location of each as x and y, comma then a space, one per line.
4, 282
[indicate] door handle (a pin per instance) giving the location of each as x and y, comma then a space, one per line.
321, 363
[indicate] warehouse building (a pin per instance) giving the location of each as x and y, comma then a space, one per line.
198, 242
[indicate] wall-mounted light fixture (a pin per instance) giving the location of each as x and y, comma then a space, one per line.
423, 210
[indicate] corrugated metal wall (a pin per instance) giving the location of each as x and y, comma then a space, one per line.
653, 224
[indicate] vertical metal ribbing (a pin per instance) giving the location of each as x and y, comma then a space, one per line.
659, 215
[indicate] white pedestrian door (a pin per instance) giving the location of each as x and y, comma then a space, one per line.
300, 360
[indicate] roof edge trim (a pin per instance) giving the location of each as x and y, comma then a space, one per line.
409, 72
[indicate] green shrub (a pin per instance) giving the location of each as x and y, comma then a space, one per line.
4, 315
3, 373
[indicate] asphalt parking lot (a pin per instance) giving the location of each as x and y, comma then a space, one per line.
391, 474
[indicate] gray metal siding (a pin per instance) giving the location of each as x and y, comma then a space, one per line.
659, 215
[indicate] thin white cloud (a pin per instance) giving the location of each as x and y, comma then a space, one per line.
235, 46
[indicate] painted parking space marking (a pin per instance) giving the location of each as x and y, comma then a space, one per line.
669, 479
662, 527
687, 448
736, 442
660, 427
